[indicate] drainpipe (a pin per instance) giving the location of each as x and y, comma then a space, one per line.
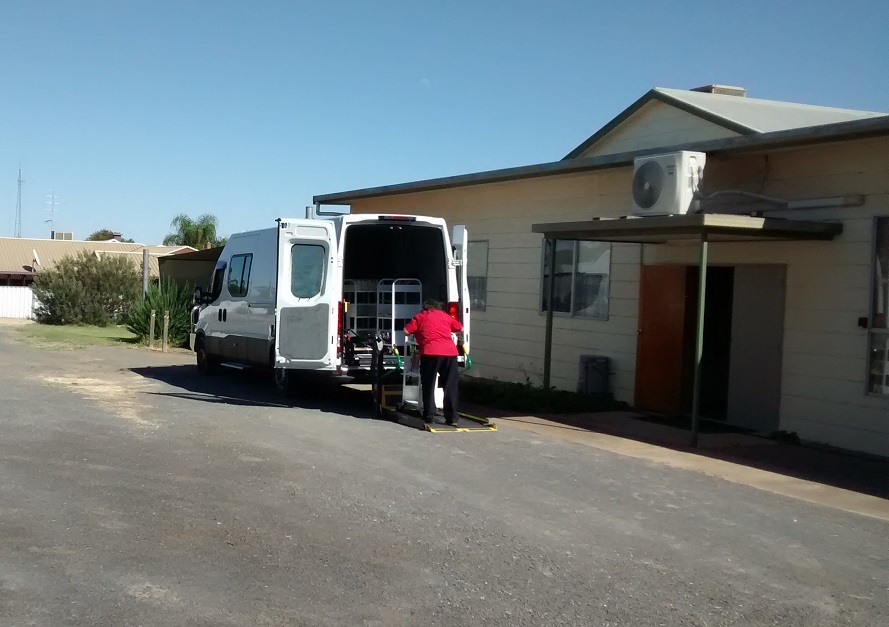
550, 288
699, 340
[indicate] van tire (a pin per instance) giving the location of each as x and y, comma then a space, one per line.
285, 382
207, 364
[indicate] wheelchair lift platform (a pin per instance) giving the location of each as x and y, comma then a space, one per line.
392, 407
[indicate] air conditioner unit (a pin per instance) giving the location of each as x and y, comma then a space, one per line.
666, 184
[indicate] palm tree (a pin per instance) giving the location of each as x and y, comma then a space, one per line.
195, 233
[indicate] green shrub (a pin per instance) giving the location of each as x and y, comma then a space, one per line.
528, 398
87, 289
168, 296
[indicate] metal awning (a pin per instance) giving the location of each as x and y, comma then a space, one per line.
663, 229
702, 228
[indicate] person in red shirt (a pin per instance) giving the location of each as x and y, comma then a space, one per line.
432, 329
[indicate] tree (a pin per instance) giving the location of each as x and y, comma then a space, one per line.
103, 235
87, 289
195, 233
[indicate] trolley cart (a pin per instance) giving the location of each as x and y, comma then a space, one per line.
402, 401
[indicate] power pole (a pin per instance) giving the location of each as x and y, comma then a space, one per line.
18, 208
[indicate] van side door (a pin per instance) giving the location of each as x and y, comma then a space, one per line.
460, 242
307, 298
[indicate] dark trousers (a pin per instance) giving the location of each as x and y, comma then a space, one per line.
446, 368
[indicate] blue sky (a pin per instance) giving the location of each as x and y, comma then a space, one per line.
135, 111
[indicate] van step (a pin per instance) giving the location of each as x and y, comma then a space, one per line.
233, 365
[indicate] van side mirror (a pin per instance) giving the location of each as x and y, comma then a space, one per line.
198, 296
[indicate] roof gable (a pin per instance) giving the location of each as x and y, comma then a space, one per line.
733, 114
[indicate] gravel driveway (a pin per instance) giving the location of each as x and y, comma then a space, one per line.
135, 492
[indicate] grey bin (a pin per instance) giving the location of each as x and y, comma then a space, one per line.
593, 377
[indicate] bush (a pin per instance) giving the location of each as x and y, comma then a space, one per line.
87, 289
165, 297
528, 398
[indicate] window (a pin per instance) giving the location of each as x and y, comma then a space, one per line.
239, 274
878, 382
307, 269
581, 278
218, 281
477, 274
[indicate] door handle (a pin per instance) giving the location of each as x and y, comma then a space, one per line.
224, 315
219, 315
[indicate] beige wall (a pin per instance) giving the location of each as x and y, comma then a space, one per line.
508, 338
656, 125
824, 365
823, 387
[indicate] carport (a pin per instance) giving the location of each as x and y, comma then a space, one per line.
703, 228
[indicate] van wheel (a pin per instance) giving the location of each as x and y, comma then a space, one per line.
207, 364
285, 382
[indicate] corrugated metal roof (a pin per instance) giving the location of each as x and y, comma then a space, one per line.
764, 116
17, 255
745, 116
841, 131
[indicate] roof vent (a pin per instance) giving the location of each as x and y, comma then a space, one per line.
722, 90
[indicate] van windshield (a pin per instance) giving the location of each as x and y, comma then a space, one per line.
218, 279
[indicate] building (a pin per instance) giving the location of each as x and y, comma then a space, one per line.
794, 207
22, 259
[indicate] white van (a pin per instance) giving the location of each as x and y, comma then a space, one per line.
319, 293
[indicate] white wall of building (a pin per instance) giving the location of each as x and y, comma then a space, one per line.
16, 302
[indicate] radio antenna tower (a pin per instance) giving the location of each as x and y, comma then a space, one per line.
18, 208
52, 210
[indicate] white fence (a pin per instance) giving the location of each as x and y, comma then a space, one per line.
16, 302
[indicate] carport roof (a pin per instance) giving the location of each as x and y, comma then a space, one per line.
662, 229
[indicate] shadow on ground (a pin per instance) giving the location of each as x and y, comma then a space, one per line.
254, 388
838, 468
825, 465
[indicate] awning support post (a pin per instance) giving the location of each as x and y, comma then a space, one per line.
699, 339
550, 288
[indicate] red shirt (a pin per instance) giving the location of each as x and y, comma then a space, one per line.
432, 328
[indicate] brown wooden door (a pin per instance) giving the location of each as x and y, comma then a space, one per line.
662, 327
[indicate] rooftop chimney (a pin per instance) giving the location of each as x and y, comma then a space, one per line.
723, 90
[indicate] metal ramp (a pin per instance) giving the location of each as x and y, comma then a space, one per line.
466, 422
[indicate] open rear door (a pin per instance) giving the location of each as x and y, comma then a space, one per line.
460, 242
307, 300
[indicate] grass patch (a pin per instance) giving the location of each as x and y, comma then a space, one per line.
70, 337
528, 398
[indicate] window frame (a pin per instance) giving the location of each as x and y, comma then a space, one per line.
244, 287
574, 255
487, 244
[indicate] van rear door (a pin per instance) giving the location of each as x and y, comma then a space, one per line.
306, 300
460, 242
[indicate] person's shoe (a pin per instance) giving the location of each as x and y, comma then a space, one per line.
429, 420
451, 423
